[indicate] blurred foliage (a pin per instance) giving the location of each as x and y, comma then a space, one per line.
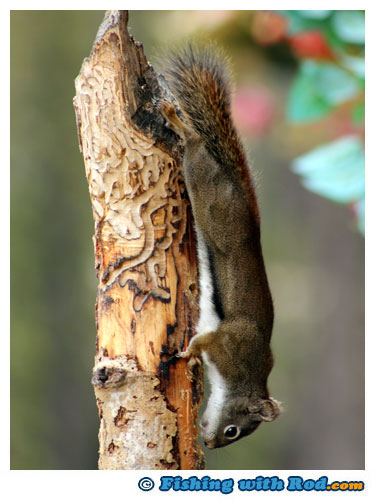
317, 89
314, 264
336, 171
330, 45
330, 48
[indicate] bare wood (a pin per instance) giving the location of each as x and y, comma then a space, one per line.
145, 261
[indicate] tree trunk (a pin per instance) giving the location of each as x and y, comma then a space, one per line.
145, 259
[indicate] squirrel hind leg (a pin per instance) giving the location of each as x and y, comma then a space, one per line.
173, 121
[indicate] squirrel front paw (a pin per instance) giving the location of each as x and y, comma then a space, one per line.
174, 122
183, 354
194, 367
192, 354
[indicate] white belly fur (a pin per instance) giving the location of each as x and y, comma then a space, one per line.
208, 318
217, 397
209, 321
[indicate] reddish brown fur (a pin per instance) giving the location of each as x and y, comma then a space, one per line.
226, 212
199, 79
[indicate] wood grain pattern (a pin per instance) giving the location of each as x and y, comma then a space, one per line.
145, 260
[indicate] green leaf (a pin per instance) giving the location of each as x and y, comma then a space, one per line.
298, 22
317, 88
335, 170
335, 84
304, 102
358, 114
349, 25
315, 14
355, 64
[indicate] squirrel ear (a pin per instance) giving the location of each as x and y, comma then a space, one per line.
270, 409
267, 410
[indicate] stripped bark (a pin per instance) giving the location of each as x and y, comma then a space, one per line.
145, 259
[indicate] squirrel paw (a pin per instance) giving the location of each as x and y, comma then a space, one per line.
167, 110
173, 121
193, 367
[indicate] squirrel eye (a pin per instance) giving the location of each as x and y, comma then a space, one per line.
231, 432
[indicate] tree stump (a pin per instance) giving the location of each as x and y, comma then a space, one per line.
145, 259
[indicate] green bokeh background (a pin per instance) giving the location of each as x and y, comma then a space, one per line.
314, 257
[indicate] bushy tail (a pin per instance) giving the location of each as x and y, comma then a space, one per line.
199, 79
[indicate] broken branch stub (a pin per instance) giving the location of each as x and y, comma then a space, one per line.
144, 257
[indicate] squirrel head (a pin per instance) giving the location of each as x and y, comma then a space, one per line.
239, 417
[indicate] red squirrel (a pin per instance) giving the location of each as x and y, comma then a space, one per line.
236, 310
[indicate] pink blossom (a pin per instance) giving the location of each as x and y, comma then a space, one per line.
253, 110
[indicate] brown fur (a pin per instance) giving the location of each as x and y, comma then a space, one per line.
224, 206
200, 80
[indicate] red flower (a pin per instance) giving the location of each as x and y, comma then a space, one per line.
311, 44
